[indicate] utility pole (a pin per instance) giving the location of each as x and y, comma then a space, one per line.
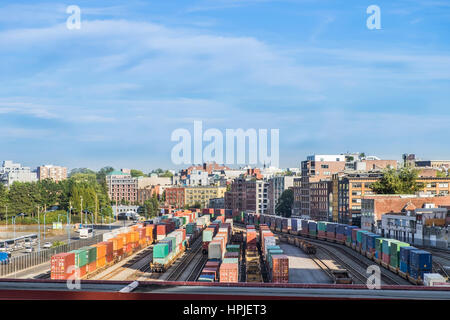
96, 200
6, 218
81, 220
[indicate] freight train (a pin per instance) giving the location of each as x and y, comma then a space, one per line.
409, 262
121, 243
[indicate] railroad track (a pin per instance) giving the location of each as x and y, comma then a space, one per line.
385, 276
355, 273
439, 268
133, 262
178, 270
195, 273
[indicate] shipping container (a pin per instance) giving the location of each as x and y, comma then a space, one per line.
420, 260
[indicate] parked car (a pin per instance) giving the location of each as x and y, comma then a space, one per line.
29, 250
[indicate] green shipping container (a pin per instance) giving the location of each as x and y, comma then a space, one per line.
160, 250
207, 235
91, 254
395, 252
322, 226
233, 248
80, 258
272, 252
359, 235
386, 246
231, 260
174, 242
379, 244
190, 228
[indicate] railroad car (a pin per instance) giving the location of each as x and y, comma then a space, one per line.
331, 232
369, 244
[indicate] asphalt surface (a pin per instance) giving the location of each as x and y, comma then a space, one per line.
301, 268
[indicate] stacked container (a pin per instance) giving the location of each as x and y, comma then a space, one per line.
404, 266
229, 270
280, 269
322, 230
101, 254
386, 251
62, 266
394, 259
420, 263
331, 231
312, 229
250, 237
304, 231
341, 233
378, 248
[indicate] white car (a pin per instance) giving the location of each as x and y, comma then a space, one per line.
29, 249
47, 245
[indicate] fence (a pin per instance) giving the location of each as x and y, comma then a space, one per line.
35, 258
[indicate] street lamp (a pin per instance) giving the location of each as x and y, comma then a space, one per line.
45, 213
14, 223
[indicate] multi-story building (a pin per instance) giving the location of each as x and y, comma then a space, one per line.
147, 193
122, 186
276, 186
321, 200
55, 173
350, 189
411, 161
175, 197
153, 180
297, 196
202, 194
315, 169
425, 226
373, 207
248, 194
11, 172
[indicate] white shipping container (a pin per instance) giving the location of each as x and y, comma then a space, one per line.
434, 279
268, 241
215, 250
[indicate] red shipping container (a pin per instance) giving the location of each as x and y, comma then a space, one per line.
118, 253
229, 272
109, 247
109, 258
61, 262
91, 267
212, 264
385, 258
321, 234
161, 229
232, 255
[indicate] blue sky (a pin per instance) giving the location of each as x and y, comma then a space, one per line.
112, 92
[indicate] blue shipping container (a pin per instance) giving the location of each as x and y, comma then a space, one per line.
405, 252
294, 224
3, 256
312, 226
340, 229
331, 227
404, 267
420, 260
169, 243
371, 241
415, 274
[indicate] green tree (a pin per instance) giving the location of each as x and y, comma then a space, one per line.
285, 203
403, 181
151, 206
136, 173
80, 170
166, 174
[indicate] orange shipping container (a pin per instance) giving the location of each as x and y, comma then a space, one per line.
117, 243
129, 236
101, 262
101, 250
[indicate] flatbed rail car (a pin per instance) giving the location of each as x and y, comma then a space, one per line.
305, 232
161, 268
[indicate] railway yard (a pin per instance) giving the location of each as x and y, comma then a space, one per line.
209, 249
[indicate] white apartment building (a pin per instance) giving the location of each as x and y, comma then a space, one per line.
11, 172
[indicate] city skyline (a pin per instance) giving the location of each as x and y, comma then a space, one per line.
112, 92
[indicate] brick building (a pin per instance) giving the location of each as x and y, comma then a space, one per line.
175, 197
122, 186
